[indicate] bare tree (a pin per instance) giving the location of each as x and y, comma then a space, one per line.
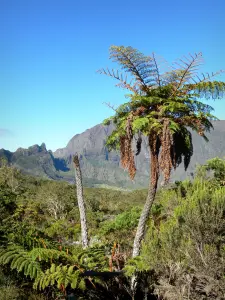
80, 200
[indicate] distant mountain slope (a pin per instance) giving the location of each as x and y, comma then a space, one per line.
90, 144
35, 160
99, 167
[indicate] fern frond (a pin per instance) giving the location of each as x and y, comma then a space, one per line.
61, 275
134, 62
52, 269
157, 75
93, 258
123, 82
206, 77
187, 68
208, 89
46, 254
70, 270
17, 260
8, 254
22, 265
20, 260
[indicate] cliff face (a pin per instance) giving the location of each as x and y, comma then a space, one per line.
101, 167
90, 145
35, 160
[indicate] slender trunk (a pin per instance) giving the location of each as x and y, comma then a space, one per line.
143, 220
153, 182
154, 175
80, 200
141, 231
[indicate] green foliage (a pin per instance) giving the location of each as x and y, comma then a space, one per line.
183, 250
94, 258
41, 219
160, 97
185, 244
68, 270
62, 275
20, 260
127, 220
210, 89
215, 165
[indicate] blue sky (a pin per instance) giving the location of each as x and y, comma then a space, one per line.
50, 52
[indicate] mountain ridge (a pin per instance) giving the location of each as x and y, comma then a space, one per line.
101, 167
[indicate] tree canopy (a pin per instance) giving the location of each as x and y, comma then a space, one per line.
163, 105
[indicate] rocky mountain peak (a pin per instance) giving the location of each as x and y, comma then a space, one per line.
37, 149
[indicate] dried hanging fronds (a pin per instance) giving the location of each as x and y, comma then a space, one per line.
138, 144
123, 152
154, 145
166, 160
127, 155
139, 111
200, 127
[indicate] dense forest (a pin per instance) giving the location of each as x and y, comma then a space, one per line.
182, 256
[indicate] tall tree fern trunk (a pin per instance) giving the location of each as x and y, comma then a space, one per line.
154, 145
80, 200
141, 231
153, 182
143, 220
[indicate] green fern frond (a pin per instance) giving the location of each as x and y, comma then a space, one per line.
81, 283
70, 270
22, 265
134, 62
8, 254
74, 282
62, 274
52, 269
46, 254
93, 258
17, 260
208, 89
20, 260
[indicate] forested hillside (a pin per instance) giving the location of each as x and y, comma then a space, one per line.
41, 255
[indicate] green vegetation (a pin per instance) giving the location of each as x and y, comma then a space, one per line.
183, 254
164, 106
58, 243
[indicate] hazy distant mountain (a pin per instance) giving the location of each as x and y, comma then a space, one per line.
101, 167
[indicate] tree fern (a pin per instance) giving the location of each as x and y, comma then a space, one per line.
161, 107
